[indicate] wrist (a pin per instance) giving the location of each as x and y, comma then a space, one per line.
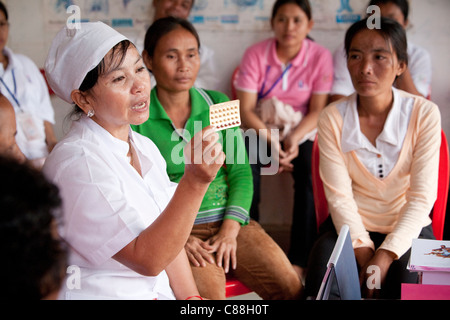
363, 255
230, 227
196, 297
296, 135
386, 255
193, 184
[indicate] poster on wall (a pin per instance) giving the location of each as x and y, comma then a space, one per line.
254, 15
120, 14
206, 15
337, 14
248, 15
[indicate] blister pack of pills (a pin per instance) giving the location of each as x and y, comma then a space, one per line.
225, 115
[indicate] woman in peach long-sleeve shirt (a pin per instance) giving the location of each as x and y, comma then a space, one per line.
397, 204
379, 159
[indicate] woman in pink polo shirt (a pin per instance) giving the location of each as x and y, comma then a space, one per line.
293, 75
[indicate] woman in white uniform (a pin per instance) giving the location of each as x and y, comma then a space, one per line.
125, 222
23, 85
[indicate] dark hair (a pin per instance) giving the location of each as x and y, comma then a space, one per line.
390, 30
303, 4
402, 4
34, 259
163, 26
4, 10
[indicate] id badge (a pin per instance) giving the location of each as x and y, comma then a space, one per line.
29, 126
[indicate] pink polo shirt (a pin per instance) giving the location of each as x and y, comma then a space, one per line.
311, 72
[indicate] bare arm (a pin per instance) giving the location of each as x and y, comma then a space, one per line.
180, 277
249, 117
251, 120
308, 123
158, 245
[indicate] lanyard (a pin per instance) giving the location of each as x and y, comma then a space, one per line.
13, 95
262, 94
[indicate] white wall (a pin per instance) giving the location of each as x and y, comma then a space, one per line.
430, 29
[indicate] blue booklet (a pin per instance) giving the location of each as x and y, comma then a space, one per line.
342, 269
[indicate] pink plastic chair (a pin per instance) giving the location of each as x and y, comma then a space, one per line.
235, 288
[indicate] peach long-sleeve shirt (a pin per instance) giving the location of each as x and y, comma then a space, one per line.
397, 205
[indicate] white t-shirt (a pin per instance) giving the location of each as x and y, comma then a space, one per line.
107, 204
24, 86
419, 64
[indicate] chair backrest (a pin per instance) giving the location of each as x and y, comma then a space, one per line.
233, 79
341, 269
320, 201
439, 210
440, 206
50, 91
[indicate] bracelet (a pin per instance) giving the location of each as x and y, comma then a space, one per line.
189, 298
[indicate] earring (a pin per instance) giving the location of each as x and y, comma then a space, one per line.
91, 113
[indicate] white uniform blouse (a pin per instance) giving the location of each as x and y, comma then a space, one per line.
107, 204
24, 86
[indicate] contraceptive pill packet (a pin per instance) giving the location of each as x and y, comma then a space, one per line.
225, 115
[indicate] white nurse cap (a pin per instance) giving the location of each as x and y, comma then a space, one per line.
75, 52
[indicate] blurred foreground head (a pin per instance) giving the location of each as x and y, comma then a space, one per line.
33, 257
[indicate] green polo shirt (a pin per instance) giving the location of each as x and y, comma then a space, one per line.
229, 196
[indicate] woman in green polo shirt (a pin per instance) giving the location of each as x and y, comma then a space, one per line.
223, 239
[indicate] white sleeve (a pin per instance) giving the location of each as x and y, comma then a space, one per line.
342, 82
421, 69
98, 219
207, 77
43, 106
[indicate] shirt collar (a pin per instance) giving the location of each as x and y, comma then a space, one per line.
12, 64
301, 59
353, 138
117, 147
157, 110
113, 144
